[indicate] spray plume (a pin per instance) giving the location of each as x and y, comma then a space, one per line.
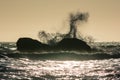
52, 38
74, 19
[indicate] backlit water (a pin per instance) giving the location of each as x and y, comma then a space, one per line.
25, 68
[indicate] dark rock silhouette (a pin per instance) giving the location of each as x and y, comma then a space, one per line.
28, 44
73, 44
68, 42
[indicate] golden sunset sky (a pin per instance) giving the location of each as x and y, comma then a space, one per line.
25, 18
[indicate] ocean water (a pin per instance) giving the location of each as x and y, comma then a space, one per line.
101, 64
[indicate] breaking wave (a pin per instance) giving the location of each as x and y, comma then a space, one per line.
100, 51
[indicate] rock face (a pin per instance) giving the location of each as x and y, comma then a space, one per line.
28, 44
73, 44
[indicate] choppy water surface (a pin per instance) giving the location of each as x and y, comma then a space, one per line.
26, 68
56, 70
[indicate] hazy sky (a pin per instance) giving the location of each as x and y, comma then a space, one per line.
25, 18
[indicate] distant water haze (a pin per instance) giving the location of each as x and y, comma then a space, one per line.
26, 18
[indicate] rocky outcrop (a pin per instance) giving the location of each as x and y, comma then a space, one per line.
28, 44
73, 44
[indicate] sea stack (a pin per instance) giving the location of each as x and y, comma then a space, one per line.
73, 44
68, 42
29, 44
